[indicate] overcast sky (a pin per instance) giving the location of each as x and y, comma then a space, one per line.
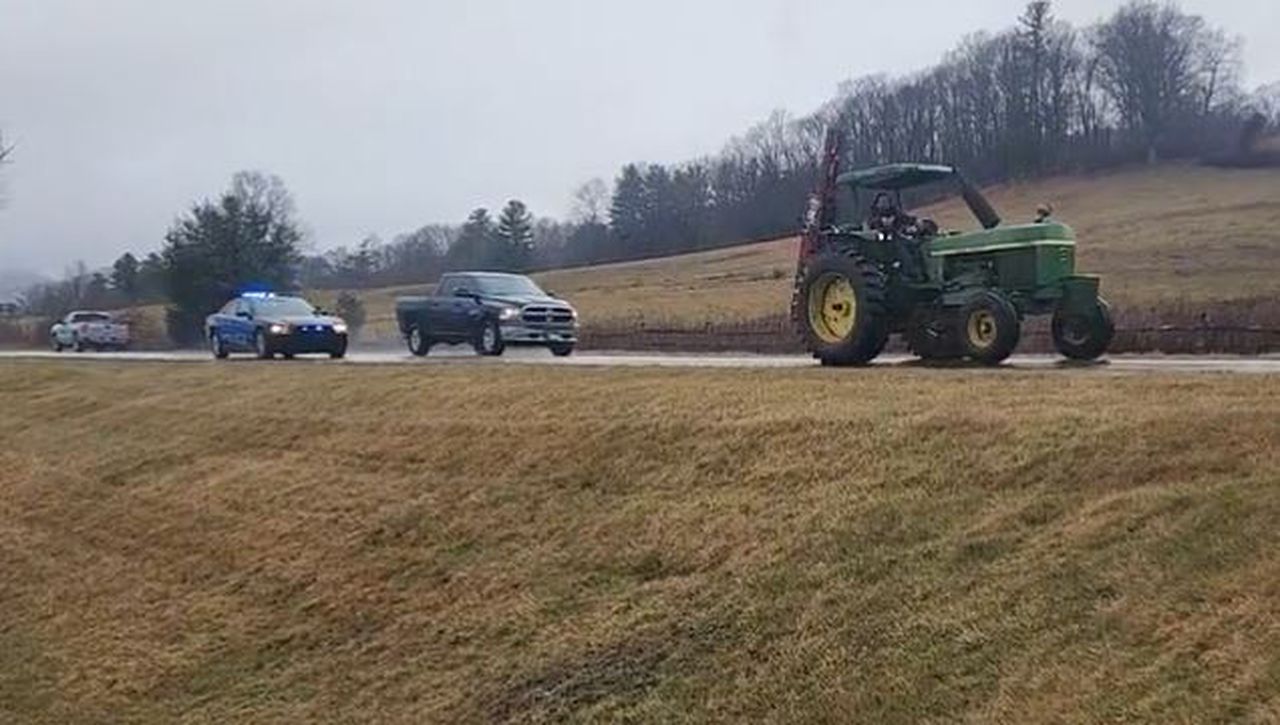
383, 115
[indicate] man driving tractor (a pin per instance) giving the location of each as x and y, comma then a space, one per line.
901, 229
888, 217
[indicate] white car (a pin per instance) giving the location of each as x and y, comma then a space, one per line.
89, 330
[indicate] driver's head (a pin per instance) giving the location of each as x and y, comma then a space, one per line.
883, 205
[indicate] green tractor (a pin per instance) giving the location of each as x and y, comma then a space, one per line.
952, 295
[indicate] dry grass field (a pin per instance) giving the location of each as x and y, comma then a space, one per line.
286, 543
1158, 235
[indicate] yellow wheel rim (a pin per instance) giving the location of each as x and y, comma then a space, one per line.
982, 329
833, 308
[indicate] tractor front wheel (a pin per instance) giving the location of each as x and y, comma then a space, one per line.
839, 309
989, 328
1084, 334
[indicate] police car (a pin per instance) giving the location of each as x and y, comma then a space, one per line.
267, 325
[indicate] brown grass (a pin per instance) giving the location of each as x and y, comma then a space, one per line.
252, 542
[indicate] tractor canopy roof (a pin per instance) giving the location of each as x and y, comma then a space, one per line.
896, 177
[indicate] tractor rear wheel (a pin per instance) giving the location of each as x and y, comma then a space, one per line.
839, 309
989, 328
1084, 334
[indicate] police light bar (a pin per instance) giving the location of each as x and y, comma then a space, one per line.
257, 295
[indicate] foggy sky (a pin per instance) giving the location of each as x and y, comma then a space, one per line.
383, 115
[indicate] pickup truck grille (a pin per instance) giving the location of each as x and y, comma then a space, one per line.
542, 315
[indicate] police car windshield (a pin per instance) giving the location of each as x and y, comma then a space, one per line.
282, 307
504, 285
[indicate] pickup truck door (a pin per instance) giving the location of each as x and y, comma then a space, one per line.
462, 307
436, 315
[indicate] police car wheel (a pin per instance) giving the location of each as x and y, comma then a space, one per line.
215, 345
260, 346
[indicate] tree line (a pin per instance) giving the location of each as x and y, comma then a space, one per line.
1042, 97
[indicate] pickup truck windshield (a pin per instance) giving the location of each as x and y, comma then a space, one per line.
282, 307
513, 285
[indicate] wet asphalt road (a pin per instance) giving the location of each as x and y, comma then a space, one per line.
1269, 365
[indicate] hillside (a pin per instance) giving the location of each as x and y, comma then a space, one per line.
247, 543
1158, 235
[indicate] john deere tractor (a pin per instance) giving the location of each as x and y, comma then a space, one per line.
868, 271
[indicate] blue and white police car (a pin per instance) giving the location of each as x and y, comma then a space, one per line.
268, 324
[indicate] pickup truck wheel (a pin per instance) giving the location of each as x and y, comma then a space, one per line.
489, 340
562, 350
57, 346
215, 345
419, 343
78, 344
260, 346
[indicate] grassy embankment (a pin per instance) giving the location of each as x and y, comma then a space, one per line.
264, 543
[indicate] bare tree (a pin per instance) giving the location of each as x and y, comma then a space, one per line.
265, 192
1266, 101
1152, 61
1219, 65
591, 202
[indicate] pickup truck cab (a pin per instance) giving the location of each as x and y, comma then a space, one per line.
490, 311
89, 330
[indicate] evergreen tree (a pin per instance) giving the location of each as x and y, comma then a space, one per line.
627, 211
248, 236
97, 291
473, 247
515, 237
151, 277
124, 277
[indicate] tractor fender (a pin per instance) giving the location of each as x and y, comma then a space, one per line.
1080, 292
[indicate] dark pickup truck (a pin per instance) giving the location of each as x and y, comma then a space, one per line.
490, 311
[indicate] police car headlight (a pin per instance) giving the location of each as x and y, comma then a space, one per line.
278, 329
340, 328
509, 313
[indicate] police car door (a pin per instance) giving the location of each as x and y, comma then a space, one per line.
242, 324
